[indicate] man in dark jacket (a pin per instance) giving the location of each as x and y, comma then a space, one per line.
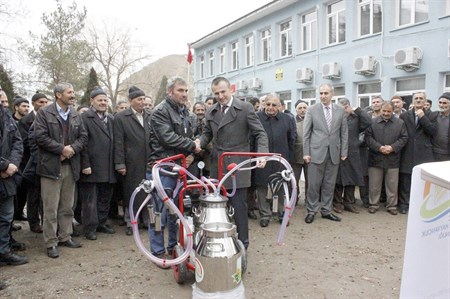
132, 150
171, 133
38, 101
10, 156
97, 166
229, 123
350, 172
60, 136
282, 138
385, 139
421, 127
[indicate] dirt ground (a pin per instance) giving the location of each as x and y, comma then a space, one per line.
360, 257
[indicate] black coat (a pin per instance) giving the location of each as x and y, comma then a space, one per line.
282, 136
24, 125
99, 151
11, 152
351, 171
391, 132
50, 141
131, 148
171, 134
418, 149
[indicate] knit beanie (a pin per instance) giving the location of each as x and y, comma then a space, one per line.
17, 100
97, 91
38, 96
135, 92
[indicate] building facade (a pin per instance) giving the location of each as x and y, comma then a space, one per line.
362, 47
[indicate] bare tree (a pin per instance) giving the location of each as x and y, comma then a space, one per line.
113, 48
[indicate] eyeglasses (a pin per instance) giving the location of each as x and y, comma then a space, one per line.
271, 104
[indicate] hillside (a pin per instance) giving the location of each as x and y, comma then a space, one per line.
149, 78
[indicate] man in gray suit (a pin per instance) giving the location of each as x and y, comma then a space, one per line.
229, 123
325, 141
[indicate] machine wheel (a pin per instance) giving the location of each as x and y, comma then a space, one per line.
180, 270
244, 256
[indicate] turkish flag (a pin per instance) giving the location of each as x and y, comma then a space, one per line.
189, 55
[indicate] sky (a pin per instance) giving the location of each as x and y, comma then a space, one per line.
165, 27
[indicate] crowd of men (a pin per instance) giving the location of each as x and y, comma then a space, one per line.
63, 163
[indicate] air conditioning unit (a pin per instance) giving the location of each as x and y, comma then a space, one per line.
408, 58
364, 65
331, 70
304, 75
241, 85
255, 83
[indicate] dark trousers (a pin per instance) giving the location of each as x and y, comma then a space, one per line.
6, 218
239, 203
20, 198
404, 190
34, 204
344, 196
95, 200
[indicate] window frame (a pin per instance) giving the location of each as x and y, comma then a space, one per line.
266, 45
249, 50
311, 28
285, 39
412, 14
211, 63
222, 53
234, 52
371, 4
336, 14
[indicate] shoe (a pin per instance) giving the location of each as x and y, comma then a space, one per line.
70, 243
309, 218
366, 205
36, 228
372, 210
403, 210
332, 217
392, 211
163, 257
52, 252
264, 223
252, 215
2, 285
351, 209
16, 246
90, 236
12, 259
21, 217
16, 227
128, 231
338, 210
75, 233
106, 229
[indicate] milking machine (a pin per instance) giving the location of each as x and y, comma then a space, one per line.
207, 240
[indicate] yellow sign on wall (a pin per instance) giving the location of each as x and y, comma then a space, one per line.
279, 74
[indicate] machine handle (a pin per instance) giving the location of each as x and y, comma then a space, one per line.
241, 154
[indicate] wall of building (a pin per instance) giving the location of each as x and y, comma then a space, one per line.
431, 36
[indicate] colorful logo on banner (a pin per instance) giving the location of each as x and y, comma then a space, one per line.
436, 202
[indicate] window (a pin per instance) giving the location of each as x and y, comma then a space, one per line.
202, 66
447, 7
309, 96
222, 60
447, 83
336, 23
285, 39
309, 31
366, 91
369, 17
412, 11
286, 97
211, 63
339, 92
249, 50
266, 45
407, 86
234, 56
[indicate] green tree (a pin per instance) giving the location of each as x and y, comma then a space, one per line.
92, 82
161, 91
62, 54
6, 84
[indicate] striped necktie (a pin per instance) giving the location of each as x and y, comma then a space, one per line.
328, 117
